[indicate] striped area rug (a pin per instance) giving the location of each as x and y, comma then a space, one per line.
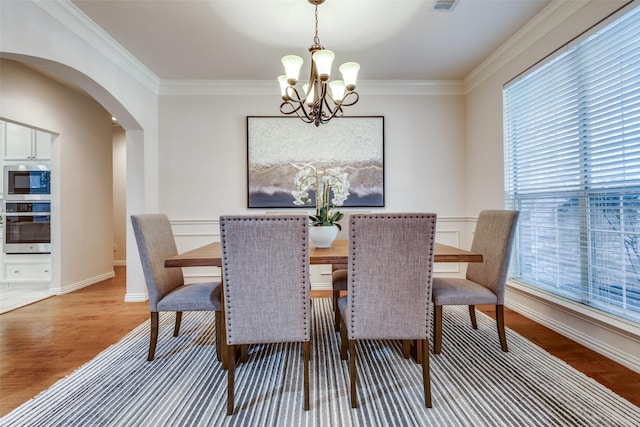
473, 383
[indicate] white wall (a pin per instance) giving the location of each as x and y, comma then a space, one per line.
81, 167
119, 196
203, 157
56, 37
557, 25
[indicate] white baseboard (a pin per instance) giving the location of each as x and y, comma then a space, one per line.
135, 297
81, 284
614, 339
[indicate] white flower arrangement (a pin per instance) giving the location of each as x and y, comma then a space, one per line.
334, 181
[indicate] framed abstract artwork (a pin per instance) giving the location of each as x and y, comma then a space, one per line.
279, 147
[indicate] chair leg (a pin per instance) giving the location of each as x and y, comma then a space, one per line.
437, 329
219, 335
154, 335
426, 374
472, 314
352, 372
176, 328
244, 353
306, 347
224, 350
231, 362
336, 311
501, 332
343, 340
406, 349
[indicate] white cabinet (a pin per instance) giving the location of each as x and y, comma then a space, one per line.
27, 268
25, 143
42, 145
27, 272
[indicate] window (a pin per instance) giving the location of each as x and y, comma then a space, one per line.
572, 169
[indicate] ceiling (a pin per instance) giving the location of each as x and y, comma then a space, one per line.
245, 39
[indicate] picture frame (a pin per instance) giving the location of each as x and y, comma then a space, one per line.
278, 147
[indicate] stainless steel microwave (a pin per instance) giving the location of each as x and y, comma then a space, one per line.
27, 182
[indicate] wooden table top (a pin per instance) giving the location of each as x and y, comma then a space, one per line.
210, 255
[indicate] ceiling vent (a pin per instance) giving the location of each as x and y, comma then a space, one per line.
444, 5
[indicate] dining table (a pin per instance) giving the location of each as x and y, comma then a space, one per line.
210, 255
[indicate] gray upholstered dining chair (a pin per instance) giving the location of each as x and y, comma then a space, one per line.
339, 274
389, 285
485, 282
339, 271
265, 270
165, 286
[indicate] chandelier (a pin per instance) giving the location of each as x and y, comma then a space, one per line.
316, 103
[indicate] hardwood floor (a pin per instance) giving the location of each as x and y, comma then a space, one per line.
44, 342
612, 375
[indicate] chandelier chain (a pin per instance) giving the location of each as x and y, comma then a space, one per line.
316, 39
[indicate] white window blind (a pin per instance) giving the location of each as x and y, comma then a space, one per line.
572, 169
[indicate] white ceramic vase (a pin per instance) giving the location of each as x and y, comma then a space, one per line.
322, 236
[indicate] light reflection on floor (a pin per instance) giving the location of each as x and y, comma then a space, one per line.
10, 299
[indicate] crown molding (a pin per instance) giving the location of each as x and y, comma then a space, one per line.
89, 32
269, 87
411, 87
544, 22
218, 87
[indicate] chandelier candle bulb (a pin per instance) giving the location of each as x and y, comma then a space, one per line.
349, 72
283, 86
292, 65
337, 90
323, 60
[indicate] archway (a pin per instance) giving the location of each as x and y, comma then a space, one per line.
79, 82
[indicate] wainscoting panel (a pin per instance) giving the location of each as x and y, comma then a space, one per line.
617, 339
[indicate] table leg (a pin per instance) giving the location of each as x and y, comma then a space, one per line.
416, 350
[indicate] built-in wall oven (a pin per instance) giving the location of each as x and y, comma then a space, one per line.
27, 209
27, 227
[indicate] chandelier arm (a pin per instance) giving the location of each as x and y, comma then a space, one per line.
306, 117
291, 107
343, 103
292, 90
296, 108
330, 108
322, 99
336, 111
297, 104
